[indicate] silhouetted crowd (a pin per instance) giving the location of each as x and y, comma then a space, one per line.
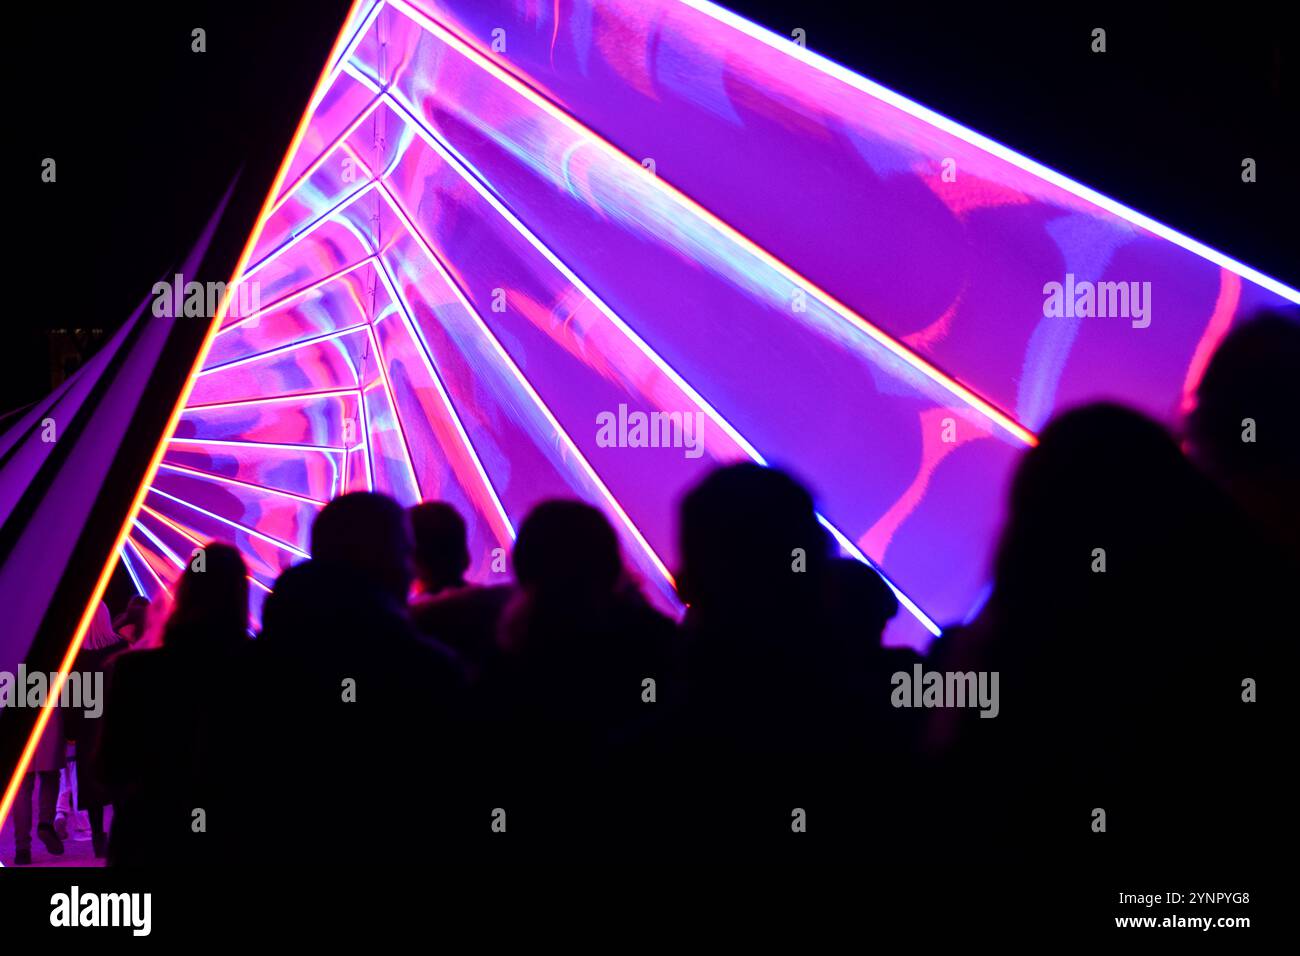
391, 710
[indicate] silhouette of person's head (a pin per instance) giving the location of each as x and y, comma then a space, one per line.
368, 534
1102, 510
211, 608
567, 552
441, 548
1245, 428
131, 623
863, 603
745, 530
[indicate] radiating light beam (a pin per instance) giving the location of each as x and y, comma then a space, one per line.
305, 291
392, 405
135, 579
97, 592
519, 376
128, 543
227, 480
882, 338
281, 349
354, 196
478, 182
295, 397
255, 444
1005, 153
167, 552
319, 161
417, 338
282, 545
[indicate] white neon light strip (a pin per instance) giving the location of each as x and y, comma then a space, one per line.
508, 363
225, 479
417, 338
284, 301
159, 516
471, 175
130, 570
281, 446
319, 161
392, 406
282, 545
280, 349
901, 351
296, 397
308, 229
127, 542
994, 148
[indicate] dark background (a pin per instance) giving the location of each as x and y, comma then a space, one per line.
1161, 121
148, 135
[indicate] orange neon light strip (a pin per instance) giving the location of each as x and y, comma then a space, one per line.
97, 594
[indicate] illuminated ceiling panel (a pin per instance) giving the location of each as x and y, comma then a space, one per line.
507, 222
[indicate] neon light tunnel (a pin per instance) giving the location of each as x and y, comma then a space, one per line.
656, 204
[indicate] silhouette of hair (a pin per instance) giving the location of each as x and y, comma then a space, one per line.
1101, 477
567, 549
1252, 375
135, 615
739, 530
369, 533
861, 597
441, 549
211, 602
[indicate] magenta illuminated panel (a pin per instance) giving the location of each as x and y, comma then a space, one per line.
470, 263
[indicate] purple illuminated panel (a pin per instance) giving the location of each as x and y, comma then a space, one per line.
473, 263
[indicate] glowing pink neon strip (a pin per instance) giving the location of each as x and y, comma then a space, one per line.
282, 545
224, 479
280, 349
365, 436
194, 538
166, 551
128, 543
255, 444
417, 338
509, 364
897, 348
295, 397
130, 570
471, 175
1225, 307
994, 148
319, 161
307, 230
284, 301
392, 405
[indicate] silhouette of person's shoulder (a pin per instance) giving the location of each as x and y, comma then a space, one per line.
463, 620
137, 666
435, 662
319, 608
309, 586
98, 658
459, 606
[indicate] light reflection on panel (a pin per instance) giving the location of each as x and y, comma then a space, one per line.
470, 268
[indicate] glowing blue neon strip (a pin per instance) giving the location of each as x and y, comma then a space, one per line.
938, 120
475, 179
